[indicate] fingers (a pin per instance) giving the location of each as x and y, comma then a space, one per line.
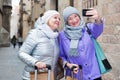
75, 70
70, 66
40, 65
93, 12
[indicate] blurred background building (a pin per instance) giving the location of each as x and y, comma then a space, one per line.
30, 10
5, 14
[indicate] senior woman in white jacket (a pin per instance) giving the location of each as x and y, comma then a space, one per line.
41, 45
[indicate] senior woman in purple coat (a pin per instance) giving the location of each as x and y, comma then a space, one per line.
76, 46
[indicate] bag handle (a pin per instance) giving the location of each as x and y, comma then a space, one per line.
88, 30
47, 66
36, 70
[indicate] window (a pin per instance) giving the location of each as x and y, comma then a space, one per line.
36, 0
89, 3
57, 5
71, 2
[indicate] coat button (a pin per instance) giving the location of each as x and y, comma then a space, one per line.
89, 78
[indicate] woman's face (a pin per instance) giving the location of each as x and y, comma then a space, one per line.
73, 20
54, 22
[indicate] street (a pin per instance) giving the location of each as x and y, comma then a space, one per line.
10, 66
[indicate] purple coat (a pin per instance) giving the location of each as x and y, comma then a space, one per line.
86, 53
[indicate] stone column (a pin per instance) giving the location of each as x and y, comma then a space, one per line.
26, 17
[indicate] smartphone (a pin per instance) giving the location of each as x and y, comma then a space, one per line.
84, 12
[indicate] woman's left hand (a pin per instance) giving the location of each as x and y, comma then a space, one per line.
70, 65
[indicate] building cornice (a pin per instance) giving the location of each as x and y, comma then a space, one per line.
7, 6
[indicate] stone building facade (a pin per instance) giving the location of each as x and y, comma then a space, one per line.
25, 17
5, 9
1, 13
30, 10
109, 40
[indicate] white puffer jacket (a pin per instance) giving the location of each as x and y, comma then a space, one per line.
40, 45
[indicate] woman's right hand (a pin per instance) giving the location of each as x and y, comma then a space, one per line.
40, 65
70, 65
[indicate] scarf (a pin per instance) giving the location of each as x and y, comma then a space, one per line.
74, 34
49, 32
52, 35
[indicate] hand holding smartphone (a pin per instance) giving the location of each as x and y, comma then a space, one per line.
84, 12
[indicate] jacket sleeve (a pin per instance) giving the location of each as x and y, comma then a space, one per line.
25, 52
96, 29
62, 54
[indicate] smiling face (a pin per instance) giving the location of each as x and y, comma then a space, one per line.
54, 22
73, 20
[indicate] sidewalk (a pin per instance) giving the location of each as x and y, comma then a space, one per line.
10, 66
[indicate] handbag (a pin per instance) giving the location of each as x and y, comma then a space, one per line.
103, 63
41, 75
60, 69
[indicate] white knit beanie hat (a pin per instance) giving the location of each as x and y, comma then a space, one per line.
48, 14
